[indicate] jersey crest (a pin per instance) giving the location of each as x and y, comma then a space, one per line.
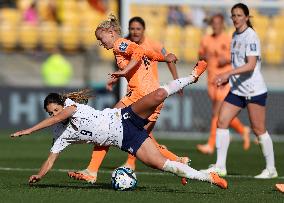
123, 46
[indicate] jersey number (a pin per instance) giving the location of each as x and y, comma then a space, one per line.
85, 132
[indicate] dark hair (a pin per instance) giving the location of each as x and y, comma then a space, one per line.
245, 10
53, 98
137, 19
81, 96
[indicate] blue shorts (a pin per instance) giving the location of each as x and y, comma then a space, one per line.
242, 101
134, 133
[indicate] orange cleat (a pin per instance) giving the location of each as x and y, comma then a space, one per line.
86, 175
199, 68
205, 148
280, 187
220, 182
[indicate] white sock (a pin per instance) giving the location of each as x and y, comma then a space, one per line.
267, 150
176, 85
185, 171
222, 145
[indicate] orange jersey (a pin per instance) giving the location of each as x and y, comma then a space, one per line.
214, 48
141, 80
156, 47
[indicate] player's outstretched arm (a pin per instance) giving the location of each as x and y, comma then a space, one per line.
63, 115
47, 165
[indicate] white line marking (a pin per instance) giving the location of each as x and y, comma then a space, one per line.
110, 171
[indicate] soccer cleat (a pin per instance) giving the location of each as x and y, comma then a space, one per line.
280, 187
213, 169
246, 138
199, 68
86, 175
267, 174
205, 148
220, 182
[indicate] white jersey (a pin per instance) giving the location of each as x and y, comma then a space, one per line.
88, 125
247, 84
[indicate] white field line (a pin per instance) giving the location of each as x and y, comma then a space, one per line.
110, 171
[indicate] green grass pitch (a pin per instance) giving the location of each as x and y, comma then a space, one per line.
21, 157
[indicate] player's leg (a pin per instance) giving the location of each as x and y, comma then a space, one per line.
257, 118
210, 146
227, 112
243, 130
149, 155
145, 106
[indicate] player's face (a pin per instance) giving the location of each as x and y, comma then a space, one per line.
105, 38
239, 19
136, 32
53, 109
217, 25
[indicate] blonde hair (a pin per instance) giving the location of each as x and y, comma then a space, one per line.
81, 96
111, 23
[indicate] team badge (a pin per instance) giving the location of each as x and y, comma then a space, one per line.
123, 46
252, 47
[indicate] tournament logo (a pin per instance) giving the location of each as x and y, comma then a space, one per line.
123, 46
252, 47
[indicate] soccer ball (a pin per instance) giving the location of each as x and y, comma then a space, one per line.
123, 178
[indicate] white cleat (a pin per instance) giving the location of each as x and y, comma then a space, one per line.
267, 174
213, 169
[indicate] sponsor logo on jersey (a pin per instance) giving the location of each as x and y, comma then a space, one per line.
252, 47
123, 46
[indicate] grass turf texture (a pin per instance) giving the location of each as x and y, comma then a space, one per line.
25, 155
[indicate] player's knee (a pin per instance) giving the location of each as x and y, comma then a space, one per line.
222, 123
160, 95
258, 130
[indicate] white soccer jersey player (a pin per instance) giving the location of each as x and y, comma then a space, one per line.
88, 125
248, 84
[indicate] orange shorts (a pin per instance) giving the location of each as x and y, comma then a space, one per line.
132, 96
218, 93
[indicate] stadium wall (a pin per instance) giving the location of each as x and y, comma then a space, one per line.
23, 107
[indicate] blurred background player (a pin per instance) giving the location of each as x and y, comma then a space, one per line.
215, 50
142, 79
248, 89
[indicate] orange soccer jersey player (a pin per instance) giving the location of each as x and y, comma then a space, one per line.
136, 65
215, 49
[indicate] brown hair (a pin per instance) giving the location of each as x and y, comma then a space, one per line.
81, 96
111, 23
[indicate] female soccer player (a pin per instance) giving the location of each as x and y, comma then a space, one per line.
247, 90
123, 128
142, 79
215, 50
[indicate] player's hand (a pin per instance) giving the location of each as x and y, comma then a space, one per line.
118, 74
20, 133
34, 179
222, 79
171, 58
110, 83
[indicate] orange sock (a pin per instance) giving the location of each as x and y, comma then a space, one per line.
131, 160
98, 156
237, 125
166, 153
212, 136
